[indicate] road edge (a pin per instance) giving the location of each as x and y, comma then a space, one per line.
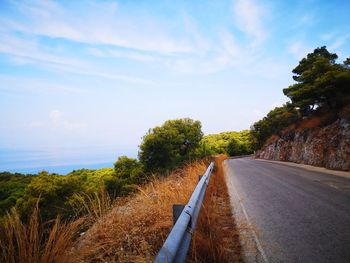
244, 224
309, 167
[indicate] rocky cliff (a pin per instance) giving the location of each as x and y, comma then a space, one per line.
327, 146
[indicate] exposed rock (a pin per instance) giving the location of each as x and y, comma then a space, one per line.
327, 146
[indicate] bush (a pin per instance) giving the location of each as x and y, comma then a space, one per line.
165, 147
129, 169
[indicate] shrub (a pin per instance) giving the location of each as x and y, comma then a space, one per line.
165, 147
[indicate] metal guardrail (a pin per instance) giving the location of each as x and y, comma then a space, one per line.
177, 243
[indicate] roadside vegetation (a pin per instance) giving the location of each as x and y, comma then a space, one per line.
229, 143
34, 206
216, 224
319, 96
163, 149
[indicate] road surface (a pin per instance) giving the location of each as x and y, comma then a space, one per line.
289, 214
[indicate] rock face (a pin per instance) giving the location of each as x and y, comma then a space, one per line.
327, 146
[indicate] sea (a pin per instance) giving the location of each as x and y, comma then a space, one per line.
61, 160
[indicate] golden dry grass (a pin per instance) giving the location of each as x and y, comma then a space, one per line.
35, 241
216, 238
310, 123
272, 139
136, 228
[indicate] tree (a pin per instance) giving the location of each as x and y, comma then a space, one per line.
12, 187
52, 191
129, 169
320, 82
275, 121
167, 146
225, 143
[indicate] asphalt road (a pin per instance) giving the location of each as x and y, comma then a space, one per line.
291, 214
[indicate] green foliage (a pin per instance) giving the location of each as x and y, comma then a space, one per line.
273, 123
167, 146
231, 143
56, 194
129, 169
92, 180
321, 82
52, 191
12, 187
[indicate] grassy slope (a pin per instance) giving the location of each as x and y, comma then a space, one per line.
131, 230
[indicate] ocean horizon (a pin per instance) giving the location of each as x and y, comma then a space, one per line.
61, 160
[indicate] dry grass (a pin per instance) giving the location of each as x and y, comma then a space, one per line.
310, 123
94, 205
133, 230
216, 238
136, 228
272, 139
35, 241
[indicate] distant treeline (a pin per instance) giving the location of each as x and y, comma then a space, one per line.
162, 149
322, 88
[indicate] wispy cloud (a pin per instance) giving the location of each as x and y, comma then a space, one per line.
57, 120
102, 24
339, 42
116, 53
28, 51
248, 18
37, 86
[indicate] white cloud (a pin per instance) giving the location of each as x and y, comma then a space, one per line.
58, 121
28, 51
108, 32
248, 18
338, 42
98, 25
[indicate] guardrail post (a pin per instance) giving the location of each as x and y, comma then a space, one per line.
177, 210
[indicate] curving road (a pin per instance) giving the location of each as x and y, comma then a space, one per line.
289, 214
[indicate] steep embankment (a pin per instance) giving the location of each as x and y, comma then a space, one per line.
320, 145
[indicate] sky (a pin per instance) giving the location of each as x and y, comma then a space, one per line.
96, 75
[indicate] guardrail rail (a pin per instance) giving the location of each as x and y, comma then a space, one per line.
176, 245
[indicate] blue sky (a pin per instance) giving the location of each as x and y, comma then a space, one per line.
101, 73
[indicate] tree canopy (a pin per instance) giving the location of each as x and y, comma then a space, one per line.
230, 143
273, 122
169, 145
321, 82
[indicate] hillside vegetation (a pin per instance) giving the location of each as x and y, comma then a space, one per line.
163, 149
322, 89
230, 143
42, 203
